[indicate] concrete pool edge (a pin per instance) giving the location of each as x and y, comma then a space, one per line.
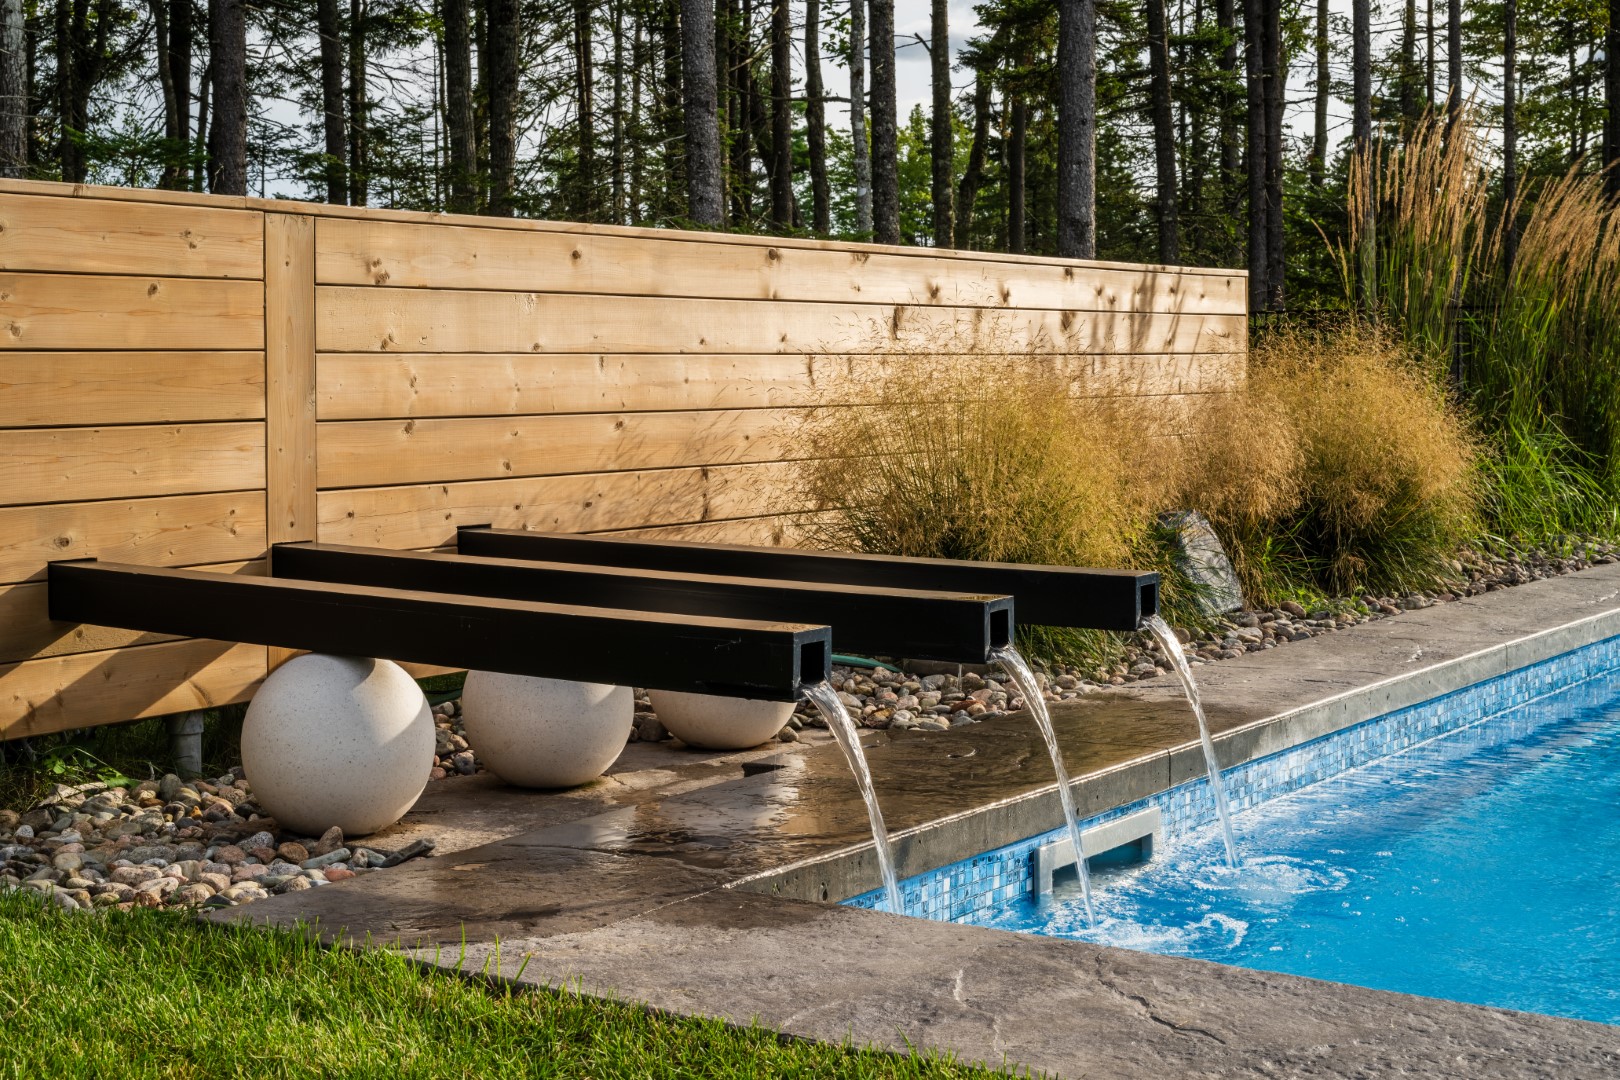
612, 911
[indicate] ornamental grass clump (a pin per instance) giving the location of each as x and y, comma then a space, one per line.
1371, 483
996, 458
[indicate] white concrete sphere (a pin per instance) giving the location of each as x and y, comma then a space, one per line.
545, 733
337, 740
719, 723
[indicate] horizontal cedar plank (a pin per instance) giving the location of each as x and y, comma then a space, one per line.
363, 386
58, 388
187, 530
325, 211
358, 319
41, 233
372, 453
41, 465
88, 689
74, 311
770, 531
427, 515
26, 632
450, 257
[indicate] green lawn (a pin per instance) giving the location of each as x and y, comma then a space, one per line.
150, 993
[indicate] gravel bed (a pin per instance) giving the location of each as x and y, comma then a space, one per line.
206, 843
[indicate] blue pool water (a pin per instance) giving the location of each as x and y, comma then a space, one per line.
1480, 866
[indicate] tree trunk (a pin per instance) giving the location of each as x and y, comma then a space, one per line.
1407, 85
1017, 143
857, 117
1454, 62
1510, 134
328, 24
1164, 135
885, 145
671, 130
616, 150
700, 98
14, 83
585, 202
740, 69
815, 115
1276, 85
942, 141
182, 28
1319, 138
967, 191
357, 103
1077, 129
227, 139
171, 108
1254, 53
459, 105
1361, 129
1611, 95
505, 28
1428, 54
205, 87
1231, 141
635, 125
781, 117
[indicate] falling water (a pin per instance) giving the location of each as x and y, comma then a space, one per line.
1013, 661
843, 728
1171, 645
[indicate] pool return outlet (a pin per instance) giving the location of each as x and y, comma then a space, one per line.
712, 619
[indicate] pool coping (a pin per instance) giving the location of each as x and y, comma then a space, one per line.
706, 902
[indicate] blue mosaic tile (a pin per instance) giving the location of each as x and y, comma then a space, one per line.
958, 893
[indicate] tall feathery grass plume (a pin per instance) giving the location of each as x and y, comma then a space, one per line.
1427, 200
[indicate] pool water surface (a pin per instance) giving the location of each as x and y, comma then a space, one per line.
1480, 866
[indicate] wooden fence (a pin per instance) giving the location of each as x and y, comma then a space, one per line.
185, 380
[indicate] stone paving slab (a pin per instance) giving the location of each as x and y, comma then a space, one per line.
1068, 1008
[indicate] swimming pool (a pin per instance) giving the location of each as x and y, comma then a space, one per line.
1478, 860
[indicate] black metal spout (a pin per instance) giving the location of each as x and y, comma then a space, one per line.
864, 619
730, 657
1044, 595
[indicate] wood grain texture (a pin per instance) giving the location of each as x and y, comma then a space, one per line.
42, 465
44, 233
398, 255
87, 689
188, 530
363, 453
72, 311
289, 291
47, 389
27, 632
358, 319
427, 515
86, 193
361, 386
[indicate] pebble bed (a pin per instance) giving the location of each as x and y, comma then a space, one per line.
206, 843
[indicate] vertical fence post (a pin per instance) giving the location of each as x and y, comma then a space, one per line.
289, 382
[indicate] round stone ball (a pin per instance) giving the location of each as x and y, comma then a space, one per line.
719, 723
337, 740
545, 733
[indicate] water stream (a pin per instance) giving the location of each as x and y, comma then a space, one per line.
842, 725
1171, 645
1035, 701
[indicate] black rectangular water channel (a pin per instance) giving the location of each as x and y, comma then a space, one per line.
1045, 595
873, 618
726, 656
